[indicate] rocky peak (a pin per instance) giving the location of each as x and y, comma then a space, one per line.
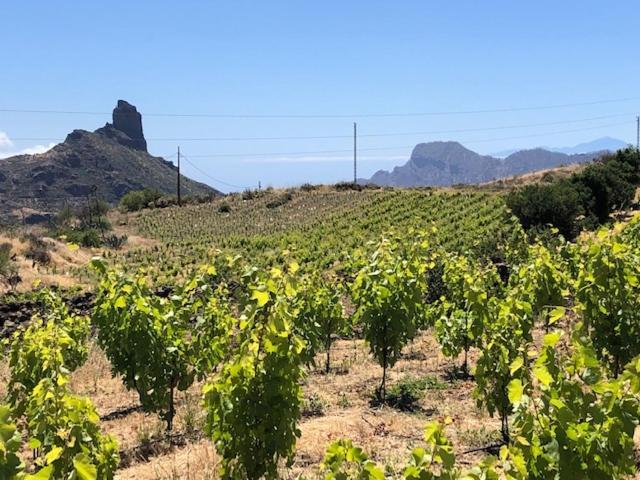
127, 119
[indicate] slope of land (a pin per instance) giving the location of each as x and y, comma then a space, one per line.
319, 226
547, 175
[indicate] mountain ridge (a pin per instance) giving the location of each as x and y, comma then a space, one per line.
446, 163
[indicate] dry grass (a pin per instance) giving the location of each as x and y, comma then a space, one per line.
58, 272
345, 393
387, 434
529, 178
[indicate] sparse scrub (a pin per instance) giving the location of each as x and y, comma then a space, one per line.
37, 249
224, 207
280, 200
407, 392
314, 406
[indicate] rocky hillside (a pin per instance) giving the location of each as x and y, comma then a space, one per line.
449, 163
108, 162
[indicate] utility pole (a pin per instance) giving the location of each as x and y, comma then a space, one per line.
355, 157
179, 197
638, 132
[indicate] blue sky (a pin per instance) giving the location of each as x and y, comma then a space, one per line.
348, 58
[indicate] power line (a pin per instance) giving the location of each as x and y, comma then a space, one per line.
340, 115
211, 155
217, 180
267, 154
366, 135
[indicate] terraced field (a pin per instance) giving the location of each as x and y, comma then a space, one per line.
319, 227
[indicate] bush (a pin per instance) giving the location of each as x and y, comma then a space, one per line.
84, 238
115, 241
603, 187
558, 204
307, 187
224, 208
280, 200
250, 194
138, 199
314, 406
37, 249
405, 394
595, 192
344, 186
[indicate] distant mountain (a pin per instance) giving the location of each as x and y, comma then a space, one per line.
604, 143
449, 163
109, 162
597, 145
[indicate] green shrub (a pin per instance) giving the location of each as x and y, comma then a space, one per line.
406, 393
84, 238
594, 193
138, 199
280, 200
558, 204
250, 194
344, 186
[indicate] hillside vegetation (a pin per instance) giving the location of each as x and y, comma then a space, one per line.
320, 226
584, 199
337, 333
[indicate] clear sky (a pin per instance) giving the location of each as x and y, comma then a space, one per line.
343, 59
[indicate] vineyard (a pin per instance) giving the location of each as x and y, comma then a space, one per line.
320, 227
339, 335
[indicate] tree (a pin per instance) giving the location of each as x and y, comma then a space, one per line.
388, 293
147, 338
138, 199
607, 293
319, 317
253, 402
54, 344
557, 204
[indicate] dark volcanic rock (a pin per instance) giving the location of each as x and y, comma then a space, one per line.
128, 120
78, 190
35, 218
15, 315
